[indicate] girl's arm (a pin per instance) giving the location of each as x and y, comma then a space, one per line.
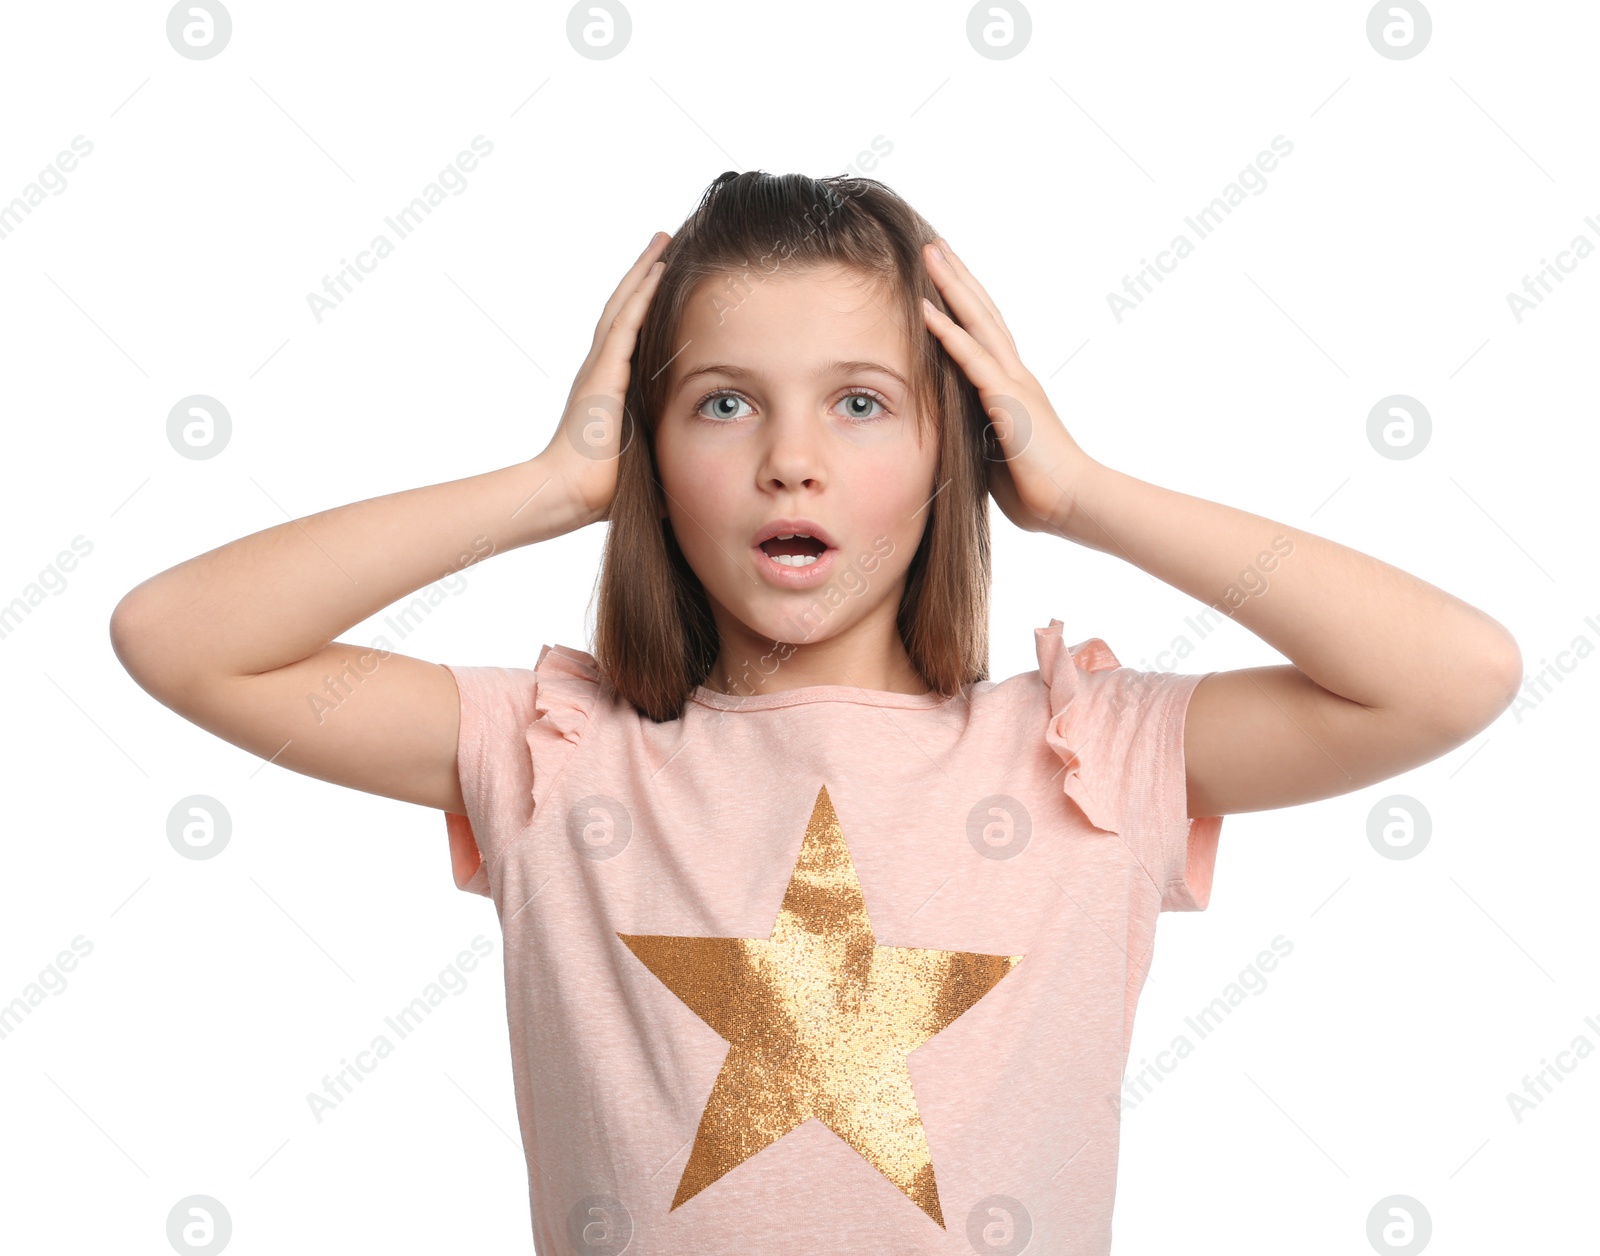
1388, 671
240, 639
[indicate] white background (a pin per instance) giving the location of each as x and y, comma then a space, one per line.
1377, 1060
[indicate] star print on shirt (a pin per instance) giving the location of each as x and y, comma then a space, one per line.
819, 1019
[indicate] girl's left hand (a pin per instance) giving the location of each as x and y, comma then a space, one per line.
1036, 483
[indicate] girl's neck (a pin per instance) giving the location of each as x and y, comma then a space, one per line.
749, 681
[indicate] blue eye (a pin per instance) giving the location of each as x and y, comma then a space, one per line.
865, 396
721, 397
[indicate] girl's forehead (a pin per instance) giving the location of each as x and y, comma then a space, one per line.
828, 288
767, 324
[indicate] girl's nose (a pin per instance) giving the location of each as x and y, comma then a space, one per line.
792, 457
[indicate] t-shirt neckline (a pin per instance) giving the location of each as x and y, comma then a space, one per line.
818, 693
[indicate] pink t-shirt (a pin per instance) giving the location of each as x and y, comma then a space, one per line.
829, 970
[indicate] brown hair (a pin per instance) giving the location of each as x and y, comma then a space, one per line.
655, 638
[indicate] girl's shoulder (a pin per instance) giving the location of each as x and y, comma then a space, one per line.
545, 708
518, 729
1061, 665
1119, 734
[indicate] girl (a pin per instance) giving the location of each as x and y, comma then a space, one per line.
817, 940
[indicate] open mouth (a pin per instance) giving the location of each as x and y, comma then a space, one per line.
794, 551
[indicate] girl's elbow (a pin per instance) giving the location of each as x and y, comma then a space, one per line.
1490, 681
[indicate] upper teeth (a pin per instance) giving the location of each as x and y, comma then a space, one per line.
793, 560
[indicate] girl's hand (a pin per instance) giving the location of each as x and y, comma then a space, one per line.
583, 453
1036, 483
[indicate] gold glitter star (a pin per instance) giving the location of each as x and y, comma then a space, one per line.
819, 1019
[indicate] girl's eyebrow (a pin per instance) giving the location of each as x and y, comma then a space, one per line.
853, 367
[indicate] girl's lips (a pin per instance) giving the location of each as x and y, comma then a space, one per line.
794, 577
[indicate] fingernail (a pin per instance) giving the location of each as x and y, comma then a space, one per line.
939, 253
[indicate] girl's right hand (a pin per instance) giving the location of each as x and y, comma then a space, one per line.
584, 451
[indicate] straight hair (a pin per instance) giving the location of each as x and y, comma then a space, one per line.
655, 638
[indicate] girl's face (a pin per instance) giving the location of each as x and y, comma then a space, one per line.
789, 400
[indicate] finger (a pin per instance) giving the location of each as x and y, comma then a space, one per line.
980, 365
970, 308
968, 278
616, 350
630, 281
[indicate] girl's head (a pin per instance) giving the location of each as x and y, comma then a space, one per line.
784, 371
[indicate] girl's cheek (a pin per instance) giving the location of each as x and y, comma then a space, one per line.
896, 471
685, 460
893, 437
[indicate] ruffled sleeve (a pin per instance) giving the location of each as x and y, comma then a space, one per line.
1118, 732
518, 729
